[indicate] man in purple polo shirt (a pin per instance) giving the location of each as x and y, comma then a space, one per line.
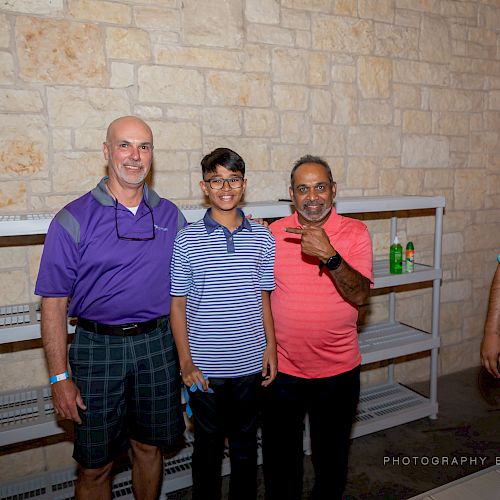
107, 255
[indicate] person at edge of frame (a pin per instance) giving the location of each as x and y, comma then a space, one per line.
222, 274
107, 254
323, 272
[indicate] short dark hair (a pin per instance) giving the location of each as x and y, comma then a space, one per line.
311, 159
224, 157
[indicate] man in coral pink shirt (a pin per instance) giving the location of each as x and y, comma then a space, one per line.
323, 271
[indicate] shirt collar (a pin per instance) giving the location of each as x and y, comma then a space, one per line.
211, 225
100, 193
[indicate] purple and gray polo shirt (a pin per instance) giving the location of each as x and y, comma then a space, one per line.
111, 280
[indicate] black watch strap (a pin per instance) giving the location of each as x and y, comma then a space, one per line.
333, 262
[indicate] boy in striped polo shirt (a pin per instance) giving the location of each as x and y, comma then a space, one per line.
222, 276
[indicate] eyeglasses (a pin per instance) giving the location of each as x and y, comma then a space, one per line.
217, 183
120, 237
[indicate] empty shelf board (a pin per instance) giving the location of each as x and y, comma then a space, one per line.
391, 340
383, 278
388, 405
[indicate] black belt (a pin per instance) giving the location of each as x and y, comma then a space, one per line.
120, 330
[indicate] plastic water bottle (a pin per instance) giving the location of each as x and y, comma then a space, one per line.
396, 257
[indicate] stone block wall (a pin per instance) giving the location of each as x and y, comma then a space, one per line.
400, 96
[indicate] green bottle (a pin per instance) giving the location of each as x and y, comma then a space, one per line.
410, 257
396, 257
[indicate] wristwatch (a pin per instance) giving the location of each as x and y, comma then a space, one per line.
332, 263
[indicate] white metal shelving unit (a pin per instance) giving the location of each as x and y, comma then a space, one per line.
27, 415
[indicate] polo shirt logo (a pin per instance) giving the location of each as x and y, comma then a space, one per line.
159, 228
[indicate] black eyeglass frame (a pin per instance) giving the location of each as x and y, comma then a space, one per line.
120, 237
228, 180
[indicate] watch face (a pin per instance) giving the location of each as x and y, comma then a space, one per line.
334, 262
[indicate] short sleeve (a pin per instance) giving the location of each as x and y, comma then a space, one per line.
180, 270
267, 269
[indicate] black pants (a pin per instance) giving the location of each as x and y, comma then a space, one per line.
331, 403
231, 411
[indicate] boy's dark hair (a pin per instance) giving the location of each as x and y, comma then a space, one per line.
311, 159
224, 157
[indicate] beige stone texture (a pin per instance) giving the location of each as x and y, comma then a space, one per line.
43, 58
183, 113
7, 74
417, 122
475, 66
263, 11
283, 156
61, 139
295, 20
173, 184
453, 243
312, 5
100, 11
14, 289
420, 72
396, 41
217, 23
494, 100
81, 107
362, 173
256, 58
344, 74
176, 135
19, 101
328, 140
238, 89
148, 112
374, 75
290, 97
438, 178
434, 39
12, 257
489, 16
450, 123
128, 43
122, 75
89, 138
374, 141
469, 190
170, 161
263, 186
289, 66
344, 99
346, 8
406, 96
321, 106
261, 123
253, 151
303, 39
221, 121
4, 31
425, 151
342, 34
456, 100
24, 153
408, 182
319, 73
295, 127
77, 172
407, 18
43, 7
419, 5
261, 33
198, 57
451, 8
157, 18
375, 112
170, 85
380, 10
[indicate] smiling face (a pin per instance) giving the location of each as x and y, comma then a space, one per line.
129, 151
312, 193
228, 197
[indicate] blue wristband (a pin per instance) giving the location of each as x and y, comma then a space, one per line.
498, 258
58, 378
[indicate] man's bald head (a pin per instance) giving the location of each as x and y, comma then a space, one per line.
124, 121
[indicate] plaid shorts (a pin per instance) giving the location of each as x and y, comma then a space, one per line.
131, 387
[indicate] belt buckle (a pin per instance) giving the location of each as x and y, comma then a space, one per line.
127, 329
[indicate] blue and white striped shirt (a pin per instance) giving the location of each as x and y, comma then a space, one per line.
222, 274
